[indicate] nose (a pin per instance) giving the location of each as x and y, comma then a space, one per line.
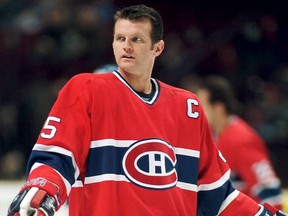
127, 46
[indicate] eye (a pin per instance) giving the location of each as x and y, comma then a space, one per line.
137, 39
119, 38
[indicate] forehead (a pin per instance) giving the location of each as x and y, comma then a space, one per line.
139, 26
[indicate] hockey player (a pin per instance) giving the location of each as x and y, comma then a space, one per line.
123, 143
251, 169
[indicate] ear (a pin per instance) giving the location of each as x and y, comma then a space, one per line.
159, 47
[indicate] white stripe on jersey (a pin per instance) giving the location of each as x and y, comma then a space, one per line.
58, 150
105, 177
228, 200
127, 143
77, 183
100, 178
111, 142
113, 177
186, 186
187, 152
216, 184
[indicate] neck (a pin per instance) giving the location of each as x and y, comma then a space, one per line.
137, 82
220, 124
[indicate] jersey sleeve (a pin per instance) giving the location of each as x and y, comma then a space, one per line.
64, 140
255, 169
216, 195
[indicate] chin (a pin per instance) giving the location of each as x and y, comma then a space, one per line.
125, 67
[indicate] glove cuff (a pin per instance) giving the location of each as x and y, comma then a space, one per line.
267, 209
45, 185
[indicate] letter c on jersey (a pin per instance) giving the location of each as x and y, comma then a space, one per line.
151, 163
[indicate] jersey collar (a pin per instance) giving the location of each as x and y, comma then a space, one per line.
155, 92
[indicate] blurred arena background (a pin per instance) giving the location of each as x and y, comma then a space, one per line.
43, 43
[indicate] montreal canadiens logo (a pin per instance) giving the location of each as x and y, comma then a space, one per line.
151, 163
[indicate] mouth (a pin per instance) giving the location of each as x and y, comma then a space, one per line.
127, 57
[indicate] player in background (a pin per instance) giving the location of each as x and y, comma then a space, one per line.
123, 143
243, 148
106, 68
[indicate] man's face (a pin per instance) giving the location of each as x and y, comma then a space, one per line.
133, 48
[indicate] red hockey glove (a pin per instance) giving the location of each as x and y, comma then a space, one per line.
268, 210
37, 197
273, 210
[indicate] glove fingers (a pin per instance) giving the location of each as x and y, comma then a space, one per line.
41, 213
38, 198
25, 204
15, 205
48, 206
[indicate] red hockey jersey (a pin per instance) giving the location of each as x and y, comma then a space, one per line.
247, 156
113, 153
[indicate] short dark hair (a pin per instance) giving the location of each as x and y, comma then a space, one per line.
220, 90
141, 11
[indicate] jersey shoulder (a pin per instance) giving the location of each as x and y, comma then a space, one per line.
81, 85
177, 92
79, 80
